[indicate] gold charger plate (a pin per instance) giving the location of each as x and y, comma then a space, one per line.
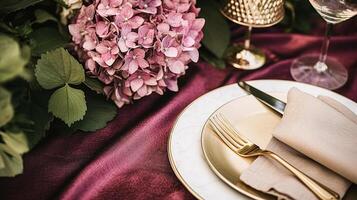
256, 122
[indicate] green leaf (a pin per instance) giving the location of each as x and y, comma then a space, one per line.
68, 104
6, 27
212, 59
16, 141
57, 68
6, 109
46, 39
43, 16
15, 144
99, 113
94, 84
12, 60
10, 162
42, 120
216, 30
7, 6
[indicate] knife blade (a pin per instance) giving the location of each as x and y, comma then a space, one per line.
268, 100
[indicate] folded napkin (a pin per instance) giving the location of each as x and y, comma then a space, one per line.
312, 129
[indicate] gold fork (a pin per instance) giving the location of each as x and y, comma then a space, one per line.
244, 148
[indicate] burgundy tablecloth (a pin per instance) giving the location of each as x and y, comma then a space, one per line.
128, 158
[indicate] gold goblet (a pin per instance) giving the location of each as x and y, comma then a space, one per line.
251, 13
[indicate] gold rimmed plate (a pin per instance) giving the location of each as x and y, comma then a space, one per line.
185, 153
253, 120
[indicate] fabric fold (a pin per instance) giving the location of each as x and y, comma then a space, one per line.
316, 135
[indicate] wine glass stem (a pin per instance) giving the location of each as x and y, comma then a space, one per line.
321, 66
247, 38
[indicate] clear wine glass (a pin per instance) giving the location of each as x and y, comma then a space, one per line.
322, 70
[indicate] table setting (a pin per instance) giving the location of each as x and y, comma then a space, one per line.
178, 99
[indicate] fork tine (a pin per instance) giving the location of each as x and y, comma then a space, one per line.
229, 129
223, 138
232, 131
223, 133
226, 133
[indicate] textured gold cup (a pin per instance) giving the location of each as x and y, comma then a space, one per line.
254, 13
251, 13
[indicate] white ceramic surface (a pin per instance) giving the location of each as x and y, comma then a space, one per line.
184, 147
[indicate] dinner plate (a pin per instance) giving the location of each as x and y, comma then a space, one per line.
184, 147
254, 121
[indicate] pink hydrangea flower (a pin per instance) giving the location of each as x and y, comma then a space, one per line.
127, 39
169, 47
90, 40
86, 14
102, 28
179, 5
170, 81
109, 51
85, 17
174, 19
149, 6
108, 7
146, 36
116, 93
126, 17
142, 84
135, 59
137, 47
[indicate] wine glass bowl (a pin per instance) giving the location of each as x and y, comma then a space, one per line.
322, 70
333, 12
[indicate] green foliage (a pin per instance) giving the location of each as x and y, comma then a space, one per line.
57, 68
68, 104
13, 146
99, 112
43, 16
10, 161
212, 59
13, 143
216, 29
7, 6
46, 38
40, 45
12, 58
25, 108
94, 84
16, 141
298, 14
38, 113
6, 109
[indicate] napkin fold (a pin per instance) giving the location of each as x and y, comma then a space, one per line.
316, 135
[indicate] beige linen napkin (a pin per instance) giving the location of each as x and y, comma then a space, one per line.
320, 128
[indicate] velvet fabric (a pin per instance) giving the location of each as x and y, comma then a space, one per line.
128, 158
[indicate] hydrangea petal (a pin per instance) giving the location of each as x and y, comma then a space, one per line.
171, 52
136, 84
142, 91
176, 67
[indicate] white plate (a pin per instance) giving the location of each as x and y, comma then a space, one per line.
184, 146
